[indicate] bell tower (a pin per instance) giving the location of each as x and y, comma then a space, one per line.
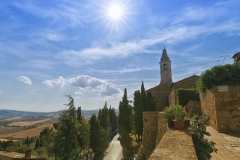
165, 68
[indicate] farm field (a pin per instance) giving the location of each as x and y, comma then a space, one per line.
17, 128
24, 133
27, 123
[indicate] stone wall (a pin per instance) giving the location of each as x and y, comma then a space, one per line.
193, 107
186, 83
222, 105
154, 127
175, 144
160, 93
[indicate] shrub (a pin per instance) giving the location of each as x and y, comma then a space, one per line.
219, 75
203, 146
185, 95
168, 113
178, 112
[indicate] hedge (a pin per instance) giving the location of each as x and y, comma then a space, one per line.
228, 74
185, 95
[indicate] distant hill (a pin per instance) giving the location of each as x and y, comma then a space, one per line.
5, 113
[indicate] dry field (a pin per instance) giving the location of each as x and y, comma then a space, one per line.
27, 123
23, 134
21, 127
12, 119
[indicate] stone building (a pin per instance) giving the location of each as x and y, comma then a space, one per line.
236, 57
165, 92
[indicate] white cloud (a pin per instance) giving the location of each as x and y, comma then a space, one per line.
56, 82
73, 13
52, 35
125, 70
40, 64
25, 80
85, 83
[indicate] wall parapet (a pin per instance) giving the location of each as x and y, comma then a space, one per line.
175, 144
154, 127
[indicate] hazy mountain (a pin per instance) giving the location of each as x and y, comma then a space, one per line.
5, 113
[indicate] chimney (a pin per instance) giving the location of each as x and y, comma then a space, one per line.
9, 147
28, 153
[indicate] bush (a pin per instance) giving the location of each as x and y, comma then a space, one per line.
203, 147
168, 113
219, 75
178, 112
185, 95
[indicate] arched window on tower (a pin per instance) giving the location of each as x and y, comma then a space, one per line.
165, 67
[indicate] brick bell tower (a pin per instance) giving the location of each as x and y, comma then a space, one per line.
165, 68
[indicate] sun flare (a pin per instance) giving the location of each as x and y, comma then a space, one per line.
115, 11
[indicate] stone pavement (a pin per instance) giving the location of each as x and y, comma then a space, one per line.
228, 145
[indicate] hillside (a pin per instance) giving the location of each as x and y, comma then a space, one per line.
4, 113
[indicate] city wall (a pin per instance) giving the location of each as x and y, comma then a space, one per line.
222, 106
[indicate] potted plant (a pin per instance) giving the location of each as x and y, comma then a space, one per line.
168, 114
179, 114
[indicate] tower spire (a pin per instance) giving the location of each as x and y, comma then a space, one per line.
165, 68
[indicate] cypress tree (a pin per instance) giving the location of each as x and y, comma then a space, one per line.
151, 102
124, 125
144, 98
138, 116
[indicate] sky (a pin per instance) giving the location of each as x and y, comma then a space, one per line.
94, 49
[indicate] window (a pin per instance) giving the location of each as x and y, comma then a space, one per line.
165, 67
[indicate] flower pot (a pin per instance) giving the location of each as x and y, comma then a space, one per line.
170, 123
179, 124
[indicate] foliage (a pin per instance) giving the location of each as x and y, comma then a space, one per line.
203, 147
46, 137
67, 135
219, 75
142, 103
138, 116
185, 95
178, 112
168, 113
94, 134
102, 129
125, 125
151, 102
104, 121
113, 122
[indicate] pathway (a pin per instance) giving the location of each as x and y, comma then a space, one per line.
114, 151
228, 146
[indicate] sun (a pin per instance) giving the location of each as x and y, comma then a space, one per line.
115, 11
115, 15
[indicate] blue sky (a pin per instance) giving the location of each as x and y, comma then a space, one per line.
49, 49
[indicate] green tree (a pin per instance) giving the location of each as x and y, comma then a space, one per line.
125, 125
66, 143
113, 121
46, 137
203, 147
79, 115
94, 134
151, 102
27, 141
37, 144
138, 116
103, 118
144, 98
